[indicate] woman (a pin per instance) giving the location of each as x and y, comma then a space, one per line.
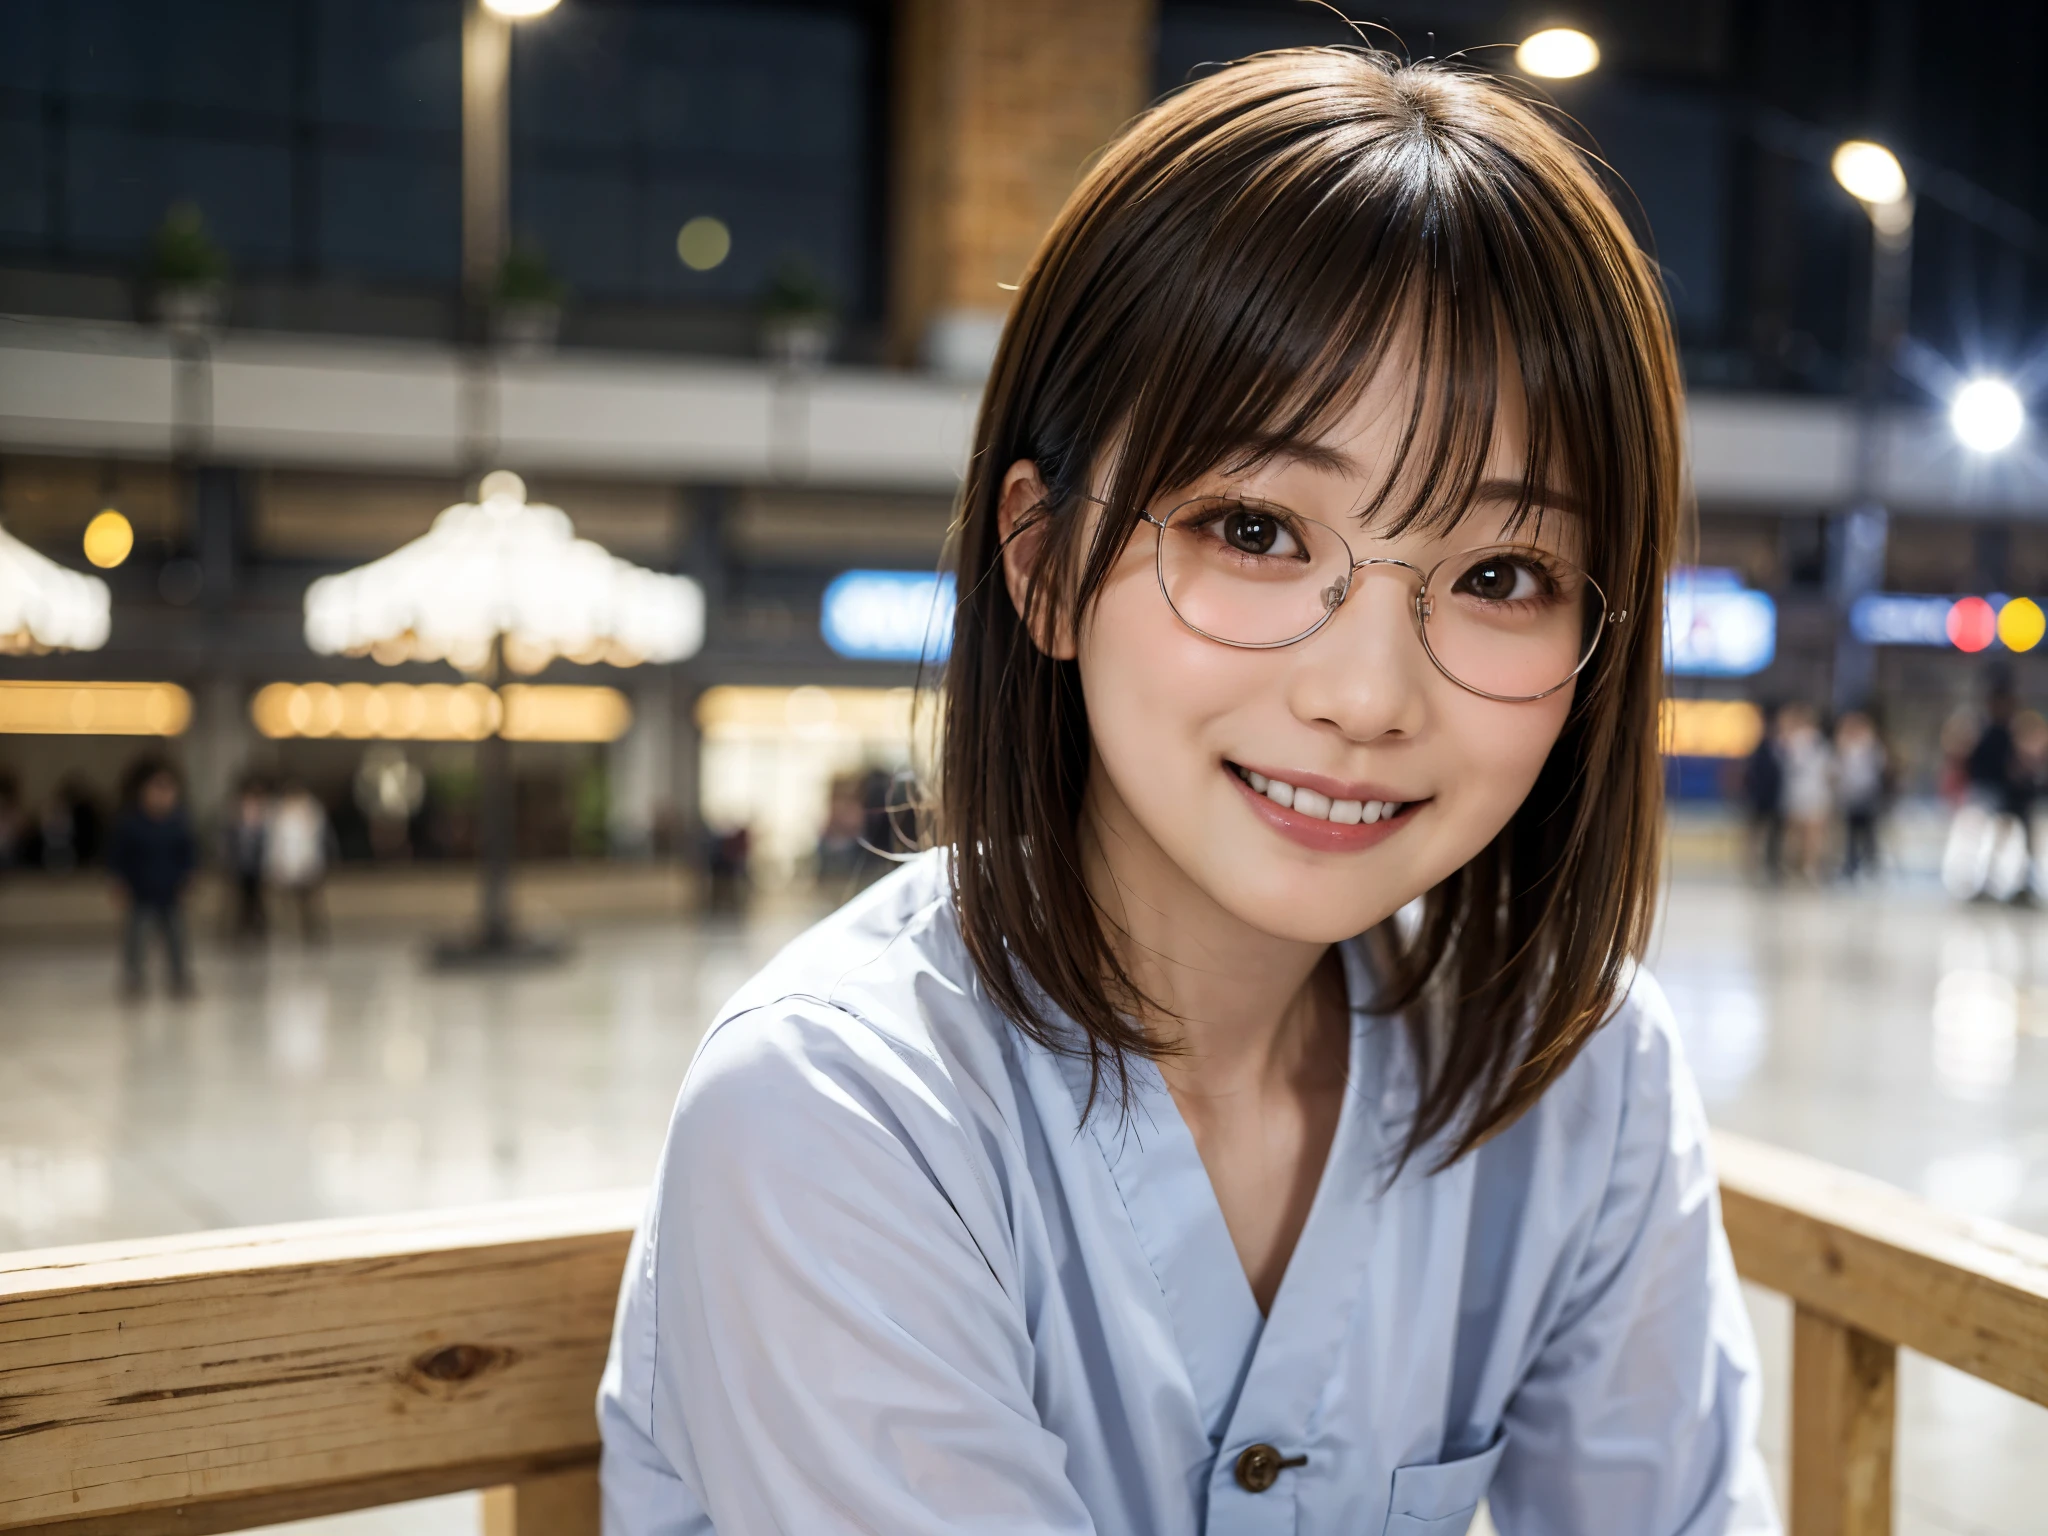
1250, 1116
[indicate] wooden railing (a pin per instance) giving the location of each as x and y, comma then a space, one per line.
231, 1379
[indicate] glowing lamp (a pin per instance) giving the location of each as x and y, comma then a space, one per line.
520, 10
1557, 53
1986, 415
503, 569
44, 607
1869, 172
2021, 624
109, 539
1972, 624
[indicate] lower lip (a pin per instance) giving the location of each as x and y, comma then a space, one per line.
1322, 836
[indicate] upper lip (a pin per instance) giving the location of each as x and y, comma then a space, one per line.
1335, 789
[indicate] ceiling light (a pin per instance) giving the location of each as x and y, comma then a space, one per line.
1558, 53
1986, 415
1869, 172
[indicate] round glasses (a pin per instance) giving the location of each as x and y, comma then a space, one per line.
1510, 622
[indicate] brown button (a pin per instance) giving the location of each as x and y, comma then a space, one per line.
1259, 1467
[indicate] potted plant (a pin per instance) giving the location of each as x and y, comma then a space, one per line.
526, 301
796, 316
188, 272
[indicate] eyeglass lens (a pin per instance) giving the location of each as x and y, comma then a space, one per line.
1510, 620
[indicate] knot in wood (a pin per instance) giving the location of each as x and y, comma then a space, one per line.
458, 1362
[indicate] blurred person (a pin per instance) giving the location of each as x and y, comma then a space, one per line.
243, 841
152, 856
1809, 793
841, 859
56, 835
2026, 783
1763, 797
13, 822
1999, 839
1863, 781
727, 857
88, 825
298, 846
1124, 1164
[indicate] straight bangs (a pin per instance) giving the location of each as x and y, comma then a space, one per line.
1231, 276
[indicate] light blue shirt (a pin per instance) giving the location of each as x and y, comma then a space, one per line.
890, 1282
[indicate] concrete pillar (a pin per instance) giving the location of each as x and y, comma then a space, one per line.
1001, 104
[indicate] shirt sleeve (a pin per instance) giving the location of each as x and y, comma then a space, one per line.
1639, 1414
811, 1339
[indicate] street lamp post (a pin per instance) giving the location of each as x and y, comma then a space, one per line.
1872, 175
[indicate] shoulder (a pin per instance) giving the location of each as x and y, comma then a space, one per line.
871, 1024
1624, 1118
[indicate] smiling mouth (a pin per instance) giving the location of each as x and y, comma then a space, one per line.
1320, 807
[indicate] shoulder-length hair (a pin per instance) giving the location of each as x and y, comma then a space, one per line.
1222, 284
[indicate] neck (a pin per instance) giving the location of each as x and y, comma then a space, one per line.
1240, 1010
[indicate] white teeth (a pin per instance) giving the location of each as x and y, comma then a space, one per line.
1310, 802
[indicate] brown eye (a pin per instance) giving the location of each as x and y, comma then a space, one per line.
1253, 532
1500, 581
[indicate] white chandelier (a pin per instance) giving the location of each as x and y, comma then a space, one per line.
44, 607
503, 568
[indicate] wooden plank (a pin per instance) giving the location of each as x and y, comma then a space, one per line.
561, 1504
1968, 1292
1844, 1409
314, 1363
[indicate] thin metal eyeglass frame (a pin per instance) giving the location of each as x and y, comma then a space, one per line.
1610, 616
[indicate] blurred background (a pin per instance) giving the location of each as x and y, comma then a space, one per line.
352, 860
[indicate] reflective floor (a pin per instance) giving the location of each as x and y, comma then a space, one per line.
1892, 1032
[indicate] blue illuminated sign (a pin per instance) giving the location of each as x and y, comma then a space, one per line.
1900, 618
1716, 627
889, 615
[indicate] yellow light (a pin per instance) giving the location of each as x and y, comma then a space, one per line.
1869, 172
108, 539
520, 10
1558, 53
565, 713
1710, 727
703, 243
94, 709
2021, 624
439, 712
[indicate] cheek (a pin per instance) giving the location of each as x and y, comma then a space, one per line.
1499, 750
1152, 687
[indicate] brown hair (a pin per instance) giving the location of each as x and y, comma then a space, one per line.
1223, 283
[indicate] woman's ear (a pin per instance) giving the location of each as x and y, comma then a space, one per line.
1021, 524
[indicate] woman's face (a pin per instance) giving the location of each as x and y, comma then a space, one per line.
1356, 712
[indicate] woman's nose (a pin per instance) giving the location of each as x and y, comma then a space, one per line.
1363, 672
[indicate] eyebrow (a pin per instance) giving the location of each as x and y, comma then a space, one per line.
1541, 496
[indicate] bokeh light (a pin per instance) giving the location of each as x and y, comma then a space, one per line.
2021, 624
109, 538
1557, 53
1869, 172
703, 243
520, 10
1972, 624
1986, 415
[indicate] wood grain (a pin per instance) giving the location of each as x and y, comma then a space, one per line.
561, 1504
304, 1366
1968, 1292
1844, 1410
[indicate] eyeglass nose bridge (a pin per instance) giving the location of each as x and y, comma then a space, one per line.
1337, 591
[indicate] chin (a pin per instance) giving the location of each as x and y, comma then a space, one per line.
1307, 906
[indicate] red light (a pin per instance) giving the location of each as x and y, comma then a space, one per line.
1972, 624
